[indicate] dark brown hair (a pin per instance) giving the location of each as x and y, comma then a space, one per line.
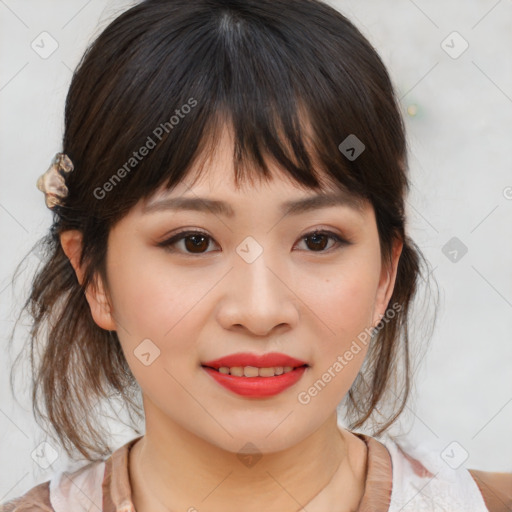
266, 67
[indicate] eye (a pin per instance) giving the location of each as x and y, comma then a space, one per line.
196, 242
319, 239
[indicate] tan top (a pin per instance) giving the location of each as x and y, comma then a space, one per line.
385, 475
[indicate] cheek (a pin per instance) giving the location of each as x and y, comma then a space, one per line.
343, 297
347, 309
343, 303
342, 307
137, 291
154, 301
156, 314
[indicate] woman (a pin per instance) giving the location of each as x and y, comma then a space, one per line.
229, 238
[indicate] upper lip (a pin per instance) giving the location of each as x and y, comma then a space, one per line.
272, 359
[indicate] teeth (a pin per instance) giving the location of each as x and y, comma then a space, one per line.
253, 371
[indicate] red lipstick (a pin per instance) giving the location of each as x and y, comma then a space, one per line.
256, 387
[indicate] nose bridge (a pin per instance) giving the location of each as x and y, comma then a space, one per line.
254, 274
257, 295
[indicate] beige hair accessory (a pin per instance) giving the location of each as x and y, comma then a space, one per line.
52, 182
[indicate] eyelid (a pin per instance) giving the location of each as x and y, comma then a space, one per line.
336, 232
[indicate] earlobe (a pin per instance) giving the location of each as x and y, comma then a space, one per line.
71, 242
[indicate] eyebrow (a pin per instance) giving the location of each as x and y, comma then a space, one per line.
293, 207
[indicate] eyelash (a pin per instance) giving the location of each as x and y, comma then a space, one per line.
182, 235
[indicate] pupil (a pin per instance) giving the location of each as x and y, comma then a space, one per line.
314, 237
194, 245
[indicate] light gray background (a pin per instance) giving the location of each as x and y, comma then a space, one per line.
461, 169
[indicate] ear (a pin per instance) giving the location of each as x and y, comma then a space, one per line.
71, 242
387, 282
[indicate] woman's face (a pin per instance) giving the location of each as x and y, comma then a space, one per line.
250, 282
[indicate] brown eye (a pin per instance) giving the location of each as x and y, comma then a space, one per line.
194, 242
317, 241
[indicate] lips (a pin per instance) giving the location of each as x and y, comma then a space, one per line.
272, 359
286, 371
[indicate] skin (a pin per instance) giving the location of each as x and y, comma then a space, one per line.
305, 300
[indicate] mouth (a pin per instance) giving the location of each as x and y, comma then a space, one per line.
256, 376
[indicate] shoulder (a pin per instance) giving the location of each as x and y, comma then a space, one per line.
35, 499
496, 488
67, 490
80, 489
425, 478
99, 485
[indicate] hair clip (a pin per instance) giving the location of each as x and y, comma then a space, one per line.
52, 182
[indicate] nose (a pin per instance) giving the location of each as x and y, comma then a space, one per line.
258, 297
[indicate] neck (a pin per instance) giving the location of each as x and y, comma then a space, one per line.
173, 469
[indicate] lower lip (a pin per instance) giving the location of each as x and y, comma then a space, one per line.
257, 387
